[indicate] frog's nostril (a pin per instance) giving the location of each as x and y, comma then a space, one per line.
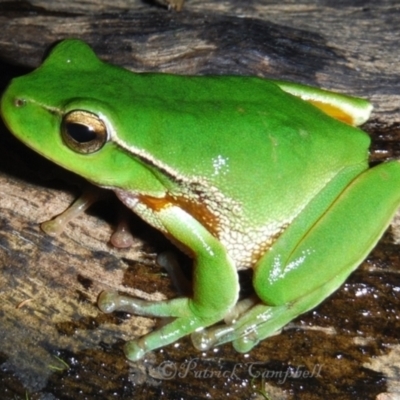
19, 102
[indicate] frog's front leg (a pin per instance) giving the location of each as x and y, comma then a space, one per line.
211, 300
314, 257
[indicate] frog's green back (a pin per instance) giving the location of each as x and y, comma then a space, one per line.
262, 147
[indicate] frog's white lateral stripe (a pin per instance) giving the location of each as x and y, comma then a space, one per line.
144, 156
147, 158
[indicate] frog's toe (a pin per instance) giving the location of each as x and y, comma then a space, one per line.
240, 309
108, 302
202, 340
205, 339
246, 342
134, 351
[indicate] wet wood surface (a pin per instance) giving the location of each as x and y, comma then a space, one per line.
56, 344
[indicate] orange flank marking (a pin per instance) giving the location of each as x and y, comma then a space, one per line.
333, 111
196, 209
155, 203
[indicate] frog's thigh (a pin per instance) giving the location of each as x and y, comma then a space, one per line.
335, 244
211, 300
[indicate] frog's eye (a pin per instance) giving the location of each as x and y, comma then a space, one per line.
83, 132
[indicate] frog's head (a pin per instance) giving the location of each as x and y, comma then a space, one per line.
66, 110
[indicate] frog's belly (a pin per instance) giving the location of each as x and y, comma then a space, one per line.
248, 246
244, 245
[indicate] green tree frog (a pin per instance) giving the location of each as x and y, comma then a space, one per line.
239, 172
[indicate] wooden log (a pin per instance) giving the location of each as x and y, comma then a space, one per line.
56, 343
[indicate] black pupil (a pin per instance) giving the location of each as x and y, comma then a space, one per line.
81, 133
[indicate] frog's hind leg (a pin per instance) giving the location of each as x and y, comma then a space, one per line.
301, 270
